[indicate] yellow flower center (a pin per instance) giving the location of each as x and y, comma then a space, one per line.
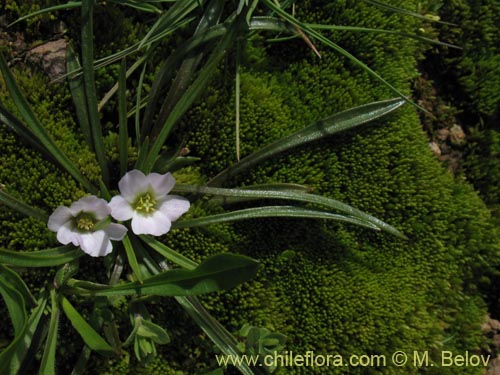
85, 222
146, 204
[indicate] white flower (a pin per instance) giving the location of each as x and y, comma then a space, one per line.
77, 224
145, 200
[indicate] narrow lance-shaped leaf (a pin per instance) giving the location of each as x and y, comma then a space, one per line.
88, 334
76, 86
132, 259
294, 196
40, 258
122, 112
169, 253
12, 357
37, 129
48, 364
320, 129
13, 278
15, 303
21, 207
219, 272
69, 5
270, 211
87, 33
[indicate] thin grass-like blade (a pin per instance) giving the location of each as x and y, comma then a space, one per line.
122, 114
88, 334
22, 207
14, 300
219, 272
41, 258
76, 86
132, 259
37, 129
320, 129
270, 211
48, 364
87, 34
69, 5
299, 196
143, 6
169, 253
12, 356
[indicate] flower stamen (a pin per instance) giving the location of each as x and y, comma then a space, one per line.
146, 204
85, 222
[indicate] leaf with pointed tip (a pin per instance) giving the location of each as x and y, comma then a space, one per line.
219, 272
169, 253
15, 303
68, 5
48, 364
22, 207
323, 128
40, 258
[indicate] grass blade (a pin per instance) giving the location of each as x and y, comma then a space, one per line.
12, 357
145, 7
270, 211
41, 258
122, 113
76, 86
88, 334
87, 34
132, 259
37, 129
320, 129
69, 5
14, 301
329, 203
22, 207
48, 364
169, 253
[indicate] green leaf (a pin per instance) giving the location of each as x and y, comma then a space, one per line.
12, 278
37, 129
22, 207
318, 36
77, 88
168, 253
69, 5
290, 195
270, 211
153, 331
12, 357
219, 272
87, 35
191, 94
48, 364
88, 334
132, 259
323, 128
144, 6
122, 112
40, 258
15, 303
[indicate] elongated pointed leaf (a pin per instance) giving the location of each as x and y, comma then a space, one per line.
15, 303
69, 5
13, 278
12, 357
77, 88
169, 253
330, 203
88, 334
132, 259
143, 6
270, 211
122, 112
219, 272
22, 207
37, 129
48, 365
87, 33
41, 258
341, 121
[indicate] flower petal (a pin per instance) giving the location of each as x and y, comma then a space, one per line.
155, 224
115, 231
161, 183
59, 217
95, 244
120, 208
65, 235
97, 206
173, 206
132, 184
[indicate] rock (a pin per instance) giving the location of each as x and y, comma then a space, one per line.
457, 135
435, 148
494, 368
442, 134
51, 56
494, 324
